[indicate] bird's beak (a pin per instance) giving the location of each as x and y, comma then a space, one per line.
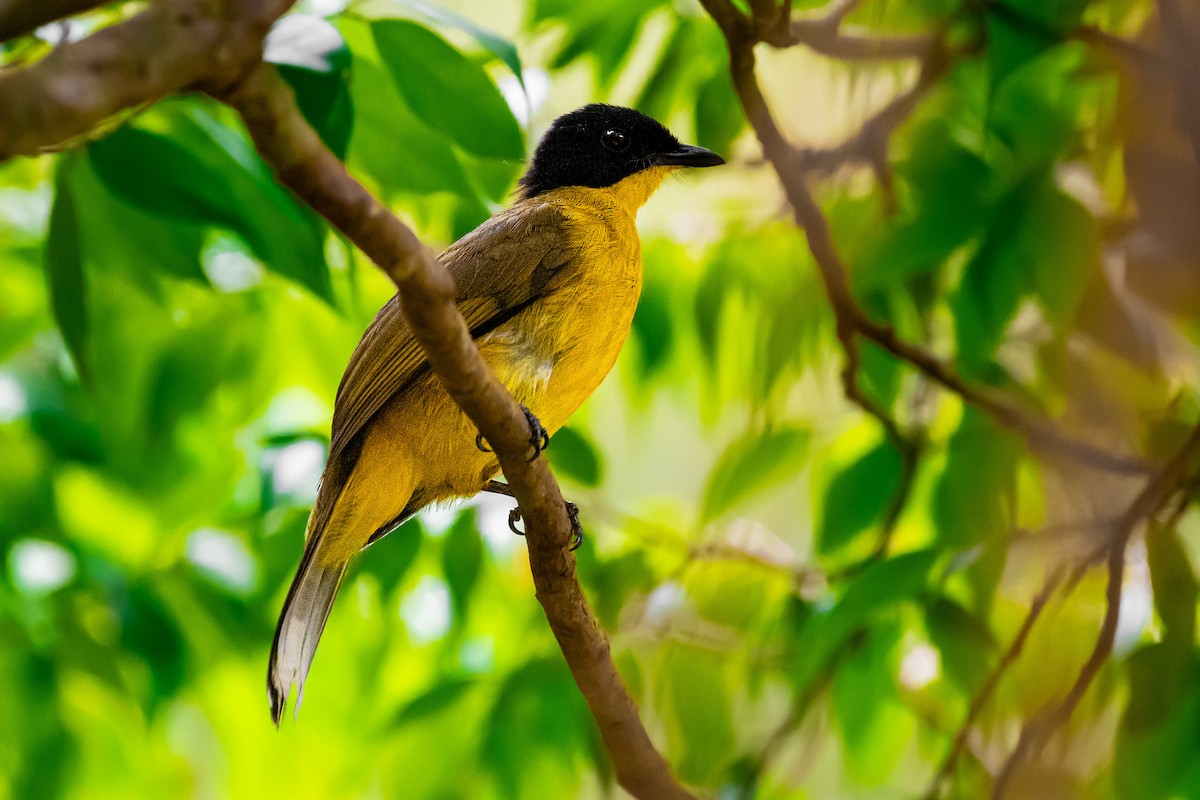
688, 155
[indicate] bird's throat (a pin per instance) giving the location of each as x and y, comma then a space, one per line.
632, 193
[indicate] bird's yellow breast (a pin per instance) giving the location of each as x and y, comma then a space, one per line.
554, 354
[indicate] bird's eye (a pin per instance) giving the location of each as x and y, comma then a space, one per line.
615, 140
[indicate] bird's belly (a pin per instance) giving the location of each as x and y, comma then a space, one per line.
553, 355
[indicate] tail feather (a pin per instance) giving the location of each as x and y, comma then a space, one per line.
300, 625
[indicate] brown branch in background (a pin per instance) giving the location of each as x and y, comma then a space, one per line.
171, 45
869, 144
20, 17
426, 290
1177, 473
1007, 659
791, 166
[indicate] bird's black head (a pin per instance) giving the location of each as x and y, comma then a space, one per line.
598, 145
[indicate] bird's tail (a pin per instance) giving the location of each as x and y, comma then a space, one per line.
300, 624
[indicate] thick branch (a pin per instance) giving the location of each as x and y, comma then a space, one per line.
19, 17
427, 299
171, 45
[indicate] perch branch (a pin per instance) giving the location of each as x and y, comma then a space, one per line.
217, 46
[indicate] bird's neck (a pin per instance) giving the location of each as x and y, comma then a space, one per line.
632, 193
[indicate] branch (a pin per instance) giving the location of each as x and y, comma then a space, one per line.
1178, 472
426, 291
869, 144
791, 166
172, 45
19, 17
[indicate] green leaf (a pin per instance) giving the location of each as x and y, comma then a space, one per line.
652, 329
964, 642
1175, 591
949, 186
313, 58
121, 238
391, 144
451, 94
875, 732
1157, 739
437, 700
539, 713
858, 497
462, 560
64, 271
490, 41
752, 464
574, 455
389, 559
877, 589
719, 117
195, 169
972, 502
701, 707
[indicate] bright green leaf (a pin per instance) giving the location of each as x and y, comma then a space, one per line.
858, 497
451, 94
752, 464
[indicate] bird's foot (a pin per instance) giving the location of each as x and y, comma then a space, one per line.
539, 438
514, 517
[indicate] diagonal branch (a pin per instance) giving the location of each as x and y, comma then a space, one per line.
426, 291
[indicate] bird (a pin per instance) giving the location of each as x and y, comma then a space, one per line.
548, 289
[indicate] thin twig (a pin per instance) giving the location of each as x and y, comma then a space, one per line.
1179, 471
1007, 659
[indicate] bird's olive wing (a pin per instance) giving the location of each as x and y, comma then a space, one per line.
499, 268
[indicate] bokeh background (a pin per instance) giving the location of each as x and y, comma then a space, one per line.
799, 609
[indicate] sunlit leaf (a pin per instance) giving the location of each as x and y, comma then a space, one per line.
858, 497
751, 464
451, 94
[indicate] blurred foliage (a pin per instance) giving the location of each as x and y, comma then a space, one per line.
173, 326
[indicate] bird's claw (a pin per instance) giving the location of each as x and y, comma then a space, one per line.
514, 517
539, 437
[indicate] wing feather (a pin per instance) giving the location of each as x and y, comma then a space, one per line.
498, 268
